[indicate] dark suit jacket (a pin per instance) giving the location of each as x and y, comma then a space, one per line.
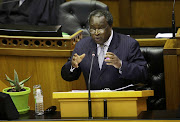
126, 48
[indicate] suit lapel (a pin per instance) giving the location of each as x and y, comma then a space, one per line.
114, 43
93, 48
112, 48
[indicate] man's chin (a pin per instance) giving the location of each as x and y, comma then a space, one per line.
98, 41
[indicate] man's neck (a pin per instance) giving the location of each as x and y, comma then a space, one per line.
108, 41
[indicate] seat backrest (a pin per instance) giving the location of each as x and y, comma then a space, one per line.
73, 15
156, 81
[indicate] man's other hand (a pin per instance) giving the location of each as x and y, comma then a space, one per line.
112, 59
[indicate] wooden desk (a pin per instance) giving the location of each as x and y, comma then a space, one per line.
145, 116
172, 71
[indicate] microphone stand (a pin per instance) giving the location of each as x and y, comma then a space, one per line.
89, 90
173, 22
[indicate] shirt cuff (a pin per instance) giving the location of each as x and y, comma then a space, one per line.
120, 69
72, 69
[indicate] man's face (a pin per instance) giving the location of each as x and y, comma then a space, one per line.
99, 29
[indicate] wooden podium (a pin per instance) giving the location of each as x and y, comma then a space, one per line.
39, 57
119, 103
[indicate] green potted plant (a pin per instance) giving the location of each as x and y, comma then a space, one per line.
19, 94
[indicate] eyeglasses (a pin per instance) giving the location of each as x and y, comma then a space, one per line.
101, 30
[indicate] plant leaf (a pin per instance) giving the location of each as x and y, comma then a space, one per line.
16, 79
25, 80
10, 81
22, 85
18, 87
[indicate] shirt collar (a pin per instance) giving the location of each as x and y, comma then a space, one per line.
107, 43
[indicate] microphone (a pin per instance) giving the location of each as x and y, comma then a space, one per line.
89, 88
173, 21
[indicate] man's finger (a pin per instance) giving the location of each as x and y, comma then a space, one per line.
75, 54
73, 58
76, 64
109, 53
109, 63
109, 56
82, 56
107, 60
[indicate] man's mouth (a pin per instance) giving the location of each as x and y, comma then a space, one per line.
97, 39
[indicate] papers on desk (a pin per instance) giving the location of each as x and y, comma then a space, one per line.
84, 91
125, 88
164, 35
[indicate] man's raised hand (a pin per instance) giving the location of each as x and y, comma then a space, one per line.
76, 59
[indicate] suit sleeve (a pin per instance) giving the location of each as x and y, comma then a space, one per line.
135, 68
67, 74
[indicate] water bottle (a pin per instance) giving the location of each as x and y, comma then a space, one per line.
38, 96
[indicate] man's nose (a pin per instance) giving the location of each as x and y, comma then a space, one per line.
97, 31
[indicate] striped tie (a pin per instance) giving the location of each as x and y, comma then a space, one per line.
101, 57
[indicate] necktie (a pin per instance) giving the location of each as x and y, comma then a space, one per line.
101, 57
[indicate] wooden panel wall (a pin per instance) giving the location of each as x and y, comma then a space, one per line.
119, 9
172, 84
172, 71
153, 13
143, 13
45, 71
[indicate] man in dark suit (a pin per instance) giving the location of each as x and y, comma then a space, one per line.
122, 62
